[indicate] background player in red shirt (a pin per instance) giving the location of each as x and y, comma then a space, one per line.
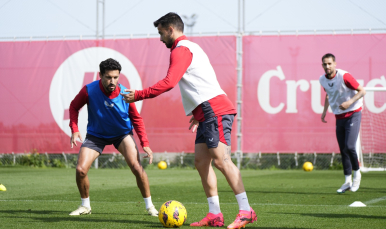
344, 95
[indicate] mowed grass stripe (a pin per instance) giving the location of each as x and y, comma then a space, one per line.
43, 198
190, 203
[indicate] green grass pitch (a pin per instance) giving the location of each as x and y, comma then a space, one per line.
43, 198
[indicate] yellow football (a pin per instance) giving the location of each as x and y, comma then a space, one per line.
307, 166
172, 214
162, 165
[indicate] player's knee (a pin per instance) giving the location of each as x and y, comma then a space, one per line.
80, 171
135, 167
198, 163
219, 164
351, 148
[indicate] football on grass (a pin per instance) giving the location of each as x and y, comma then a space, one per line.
172, 214
308, 167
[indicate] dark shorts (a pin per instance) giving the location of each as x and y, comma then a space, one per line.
214, 130
98, 144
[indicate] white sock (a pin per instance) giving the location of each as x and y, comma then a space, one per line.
357, 174
348, 178
214, 204
242, 199
148, 202
86, 202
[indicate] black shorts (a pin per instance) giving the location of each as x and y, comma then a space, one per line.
98, 144
214, 130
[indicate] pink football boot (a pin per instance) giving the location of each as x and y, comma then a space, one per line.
243, 218
210, 220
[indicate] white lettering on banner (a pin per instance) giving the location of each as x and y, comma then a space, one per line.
292, 86
263, 94
369, 97
316, 106
77, 70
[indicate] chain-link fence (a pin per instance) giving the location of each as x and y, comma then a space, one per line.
186, 160
176, 160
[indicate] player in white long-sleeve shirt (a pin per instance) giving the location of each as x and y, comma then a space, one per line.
212, 112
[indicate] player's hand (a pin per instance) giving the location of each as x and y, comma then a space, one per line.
74, 137
129, 97
149, 154
324, 116
193, 123
345, 105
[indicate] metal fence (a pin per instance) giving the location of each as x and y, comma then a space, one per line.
321, 161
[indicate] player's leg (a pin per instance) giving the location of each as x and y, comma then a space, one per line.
202, 162
352, 132
221, 156
85, 159
346, 162
129, 151
218, 140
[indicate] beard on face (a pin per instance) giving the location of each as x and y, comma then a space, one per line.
108, 87
168, 42
111, 89
168, 45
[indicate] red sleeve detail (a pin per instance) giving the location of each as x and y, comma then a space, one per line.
350, 81
180, 59
138, 124
79, 101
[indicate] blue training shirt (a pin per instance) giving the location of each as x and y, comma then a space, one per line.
107, 118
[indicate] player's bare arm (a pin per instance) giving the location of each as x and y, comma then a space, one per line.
129, 97
361, 92
149, 153
193, 124
326, 104
74, 137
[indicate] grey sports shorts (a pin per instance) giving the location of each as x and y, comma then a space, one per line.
98, 144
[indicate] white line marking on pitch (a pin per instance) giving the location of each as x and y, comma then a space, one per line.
186, 203
373, 201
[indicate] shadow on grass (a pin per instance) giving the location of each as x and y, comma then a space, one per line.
75, 219
282, 192
322, 215
30, 212
376, 190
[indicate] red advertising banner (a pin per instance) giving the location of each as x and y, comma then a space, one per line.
40, 79
282, 97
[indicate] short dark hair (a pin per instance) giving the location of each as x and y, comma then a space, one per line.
170, 19
328, 55
108, 65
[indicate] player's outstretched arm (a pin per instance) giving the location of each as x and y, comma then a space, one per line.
74, 137
149, 153
180, 59
193, 124
326, 104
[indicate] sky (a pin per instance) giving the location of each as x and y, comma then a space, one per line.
41, 18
